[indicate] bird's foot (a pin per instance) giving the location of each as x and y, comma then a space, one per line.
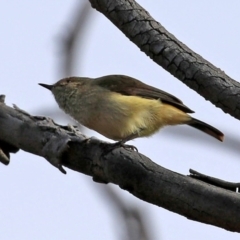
127, 146
119, 145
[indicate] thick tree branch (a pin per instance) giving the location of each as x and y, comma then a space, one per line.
167, 51
132, 171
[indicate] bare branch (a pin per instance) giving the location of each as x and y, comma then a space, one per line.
130, 170
132, 217
215, 181
167, 51
71, 40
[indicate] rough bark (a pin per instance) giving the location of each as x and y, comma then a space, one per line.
167, 51
129, 170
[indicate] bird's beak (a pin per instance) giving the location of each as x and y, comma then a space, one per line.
49, 87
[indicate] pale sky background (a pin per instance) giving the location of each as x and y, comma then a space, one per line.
39, 202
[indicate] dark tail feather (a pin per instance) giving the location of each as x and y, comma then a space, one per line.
204, 127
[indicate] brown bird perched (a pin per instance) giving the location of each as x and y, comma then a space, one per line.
123, 108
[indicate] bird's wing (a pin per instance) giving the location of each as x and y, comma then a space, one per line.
132, 87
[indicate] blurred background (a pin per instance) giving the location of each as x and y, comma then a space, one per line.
43, 41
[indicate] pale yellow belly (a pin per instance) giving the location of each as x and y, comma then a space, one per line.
126, 115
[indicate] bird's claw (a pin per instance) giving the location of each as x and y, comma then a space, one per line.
127, 146
119, 145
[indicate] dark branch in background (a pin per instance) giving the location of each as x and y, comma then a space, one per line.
71, 43
167, 51
129, 170
135, 220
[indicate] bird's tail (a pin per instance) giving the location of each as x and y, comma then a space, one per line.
204, 127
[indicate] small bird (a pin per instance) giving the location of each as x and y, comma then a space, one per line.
123, 108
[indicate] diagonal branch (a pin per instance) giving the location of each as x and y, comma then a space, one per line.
129, 170
167, 51
71, 41
134, 219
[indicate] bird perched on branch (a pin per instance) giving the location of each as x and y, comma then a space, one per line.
123, 108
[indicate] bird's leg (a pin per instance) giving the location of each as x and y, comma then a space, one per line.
122, 142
